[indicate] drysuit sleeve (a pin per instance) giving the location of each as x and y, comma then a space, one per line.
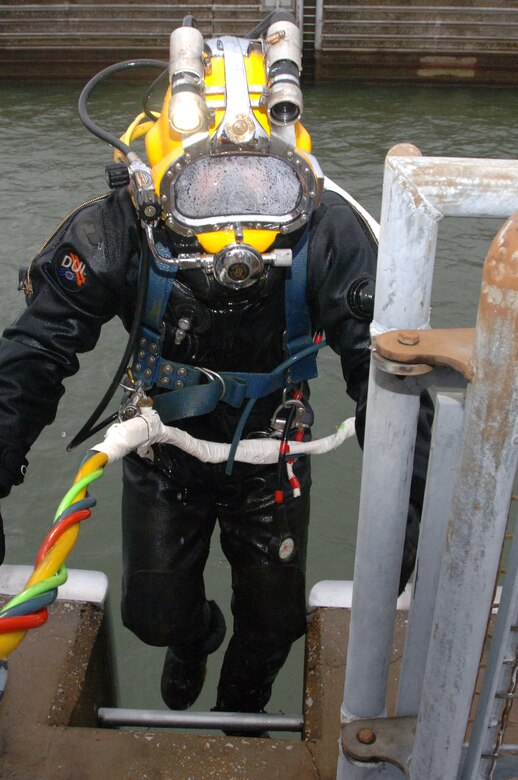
342, 254
72, 288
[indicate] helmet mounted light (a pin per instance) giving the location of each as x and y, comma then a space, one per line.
187, 108
284, 63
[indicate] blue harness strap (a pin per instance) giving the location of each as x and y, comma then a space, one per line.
147, 360
160, 284
194, 391
298, 321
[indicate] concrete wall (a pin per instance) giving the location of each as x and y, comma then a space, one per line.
466, 41
75, 39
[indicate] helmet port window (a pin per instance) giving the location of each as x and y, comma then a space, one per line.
231, 185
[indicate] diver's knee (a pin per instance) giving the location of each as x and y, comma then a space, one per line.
161, 609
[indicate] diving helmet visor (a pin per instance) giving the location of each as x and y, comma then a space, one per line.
218, 191
232, 185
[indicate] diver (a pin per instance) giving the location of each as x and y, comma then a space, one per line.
231, 261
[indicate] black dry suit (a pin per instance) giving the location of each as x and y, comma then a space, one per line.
88, 273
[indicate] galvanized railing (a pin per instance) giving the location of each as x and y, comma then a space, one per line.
500, 681
470, 478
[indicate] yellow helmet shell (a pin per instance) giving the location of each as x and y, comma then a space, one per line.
164, 145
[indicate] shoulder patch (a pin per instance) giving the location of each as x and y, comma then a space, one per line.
70, 269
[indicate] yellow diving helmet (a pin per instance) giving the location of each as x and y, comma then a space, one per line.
230, 161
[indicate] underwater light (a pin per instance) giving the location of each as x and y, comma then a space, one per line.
284, 61
187, 110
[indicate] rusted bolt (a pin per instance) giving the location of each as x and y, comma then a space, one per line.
408, 337
366, 736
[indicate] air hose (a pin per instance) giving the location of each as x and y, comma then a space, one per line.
84, 97
29, 608
90, 427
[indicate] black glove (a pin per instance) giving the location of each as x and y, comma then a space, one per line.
13, 467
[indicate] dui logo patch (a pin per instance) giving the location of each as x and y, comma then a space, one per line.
70, 270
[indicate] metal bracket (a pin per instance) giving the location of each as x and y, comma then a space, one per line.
400, 369
380, 739
451, 347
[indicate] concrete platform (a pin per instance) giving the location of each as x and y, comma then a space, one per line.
60, 675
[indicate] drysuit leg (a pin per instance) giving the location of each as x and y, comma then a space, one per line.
266, 545
168, 520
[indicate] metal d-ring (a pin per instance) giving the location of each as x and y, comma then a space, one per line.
212, 375
287, 402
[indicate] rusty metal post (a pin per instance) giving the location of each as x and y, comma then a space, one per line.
495, 700
479, 513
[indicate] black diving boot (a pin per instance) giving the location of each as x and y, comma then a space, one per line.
182, 680
185, 668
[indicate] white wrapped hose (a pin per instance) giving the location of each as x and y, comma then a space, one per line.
147, 429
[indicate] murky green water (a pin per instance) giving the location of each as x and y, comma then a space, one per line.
50, 163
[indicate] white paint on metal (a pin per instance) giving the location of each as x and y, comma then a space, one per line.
444, 457
319, 24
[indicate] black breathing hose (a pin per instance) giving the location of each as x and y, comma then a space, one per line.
84, 97
274, 16
89, 428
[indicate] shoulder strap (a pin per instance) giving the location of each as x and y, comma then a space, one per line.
190, 393
160, 284
298, 320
